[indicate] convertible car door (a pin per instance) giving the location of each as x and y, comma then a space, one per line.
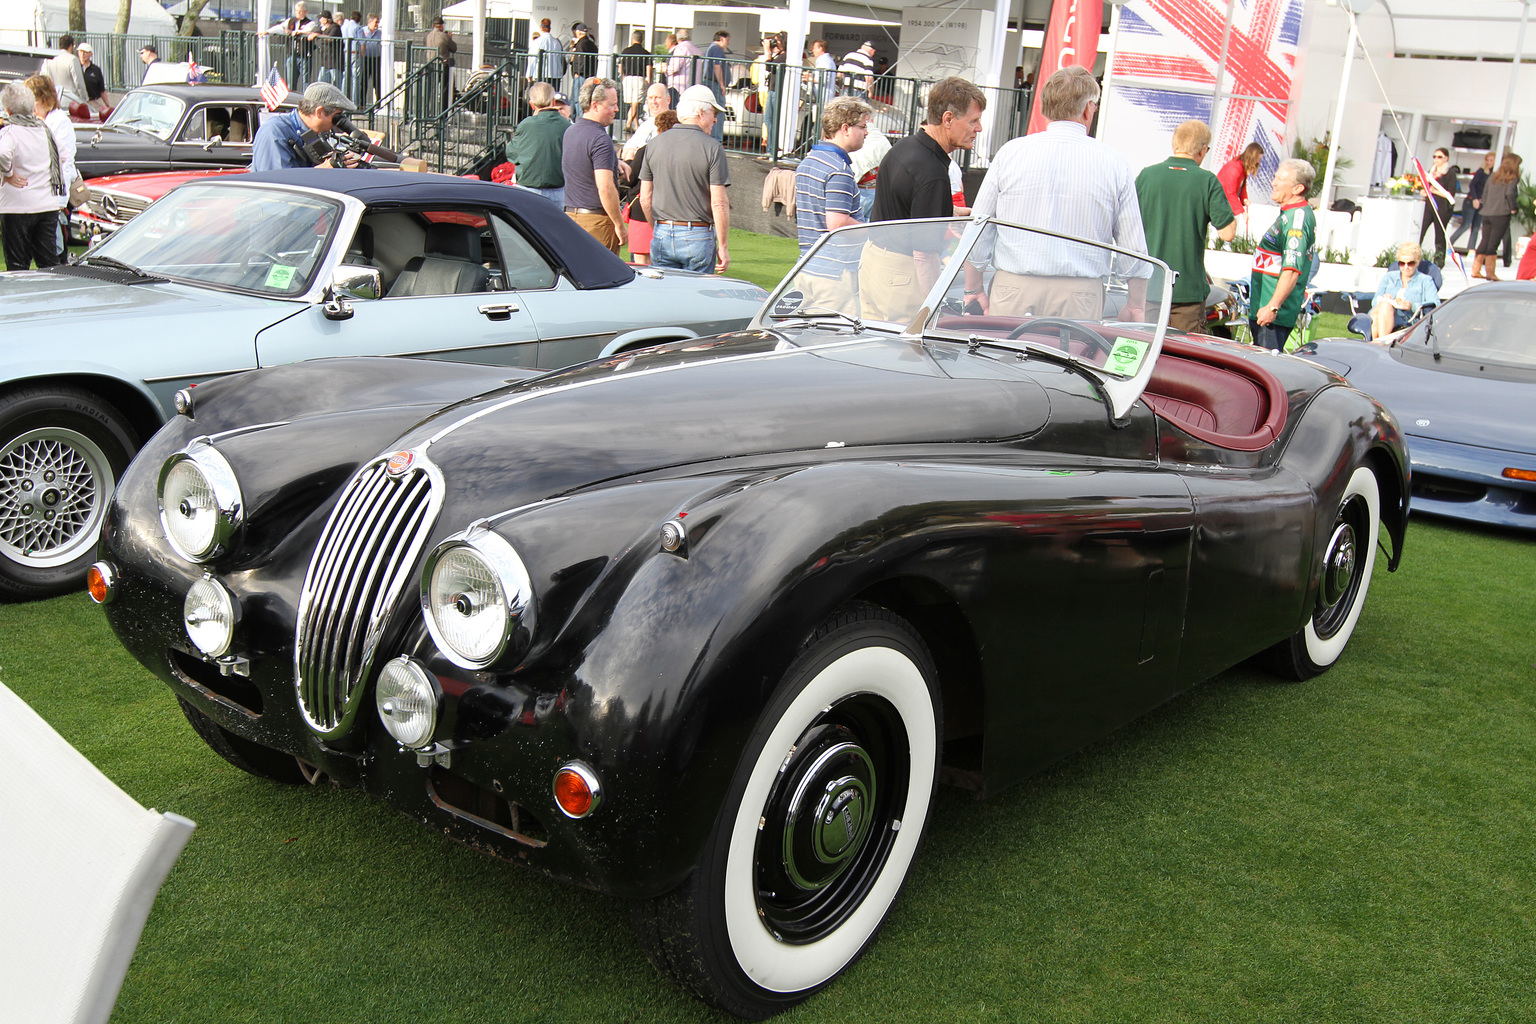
480, 321
1085, 571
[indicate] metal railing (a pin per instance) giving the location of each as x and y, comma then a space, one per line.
771, 110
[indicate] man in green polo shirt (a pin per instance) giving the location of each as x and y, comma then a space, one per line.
1283, 261
538, 145
1179, 201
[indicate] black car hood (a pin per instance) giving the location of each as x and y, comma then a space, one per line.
694, 402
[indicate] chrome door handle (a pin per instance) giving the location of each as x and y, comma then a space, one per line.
499, 311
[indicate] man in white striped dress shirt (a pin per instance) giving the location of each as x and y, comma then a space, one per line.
1061, 180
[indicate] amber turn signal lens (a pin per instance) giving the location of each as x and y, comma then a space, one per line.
1520, 474
100, 582
576, 790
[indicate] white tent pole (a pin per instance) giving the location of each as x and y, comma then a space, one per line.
388, 15
263, 49
1109, 59
1217, 104
477, 38
607, 39
1514, 77
1324, 197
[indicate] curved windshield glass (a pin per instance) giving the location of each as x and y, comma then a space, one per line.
263, 240
1496, 328
988, 283
152, 112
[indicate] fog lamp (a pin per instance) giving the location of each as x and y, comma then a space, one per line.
577, 790
210, 615
407, 697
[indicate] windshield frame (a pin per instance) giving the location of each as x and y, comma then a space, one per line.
1121, 393
127, 108
349, 211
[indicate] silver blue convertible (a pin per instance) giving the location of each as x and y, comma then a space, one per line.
227, 275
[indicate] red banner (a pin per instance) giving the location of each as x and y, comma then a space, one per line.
1071, 38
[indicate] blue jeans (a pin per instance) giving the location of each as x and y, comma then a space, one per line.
866, 203
718, 131
1274, 336
557, 194
1471, 220
685, 248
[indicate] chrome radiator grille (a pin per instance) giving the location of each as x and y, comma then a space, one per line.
363, 561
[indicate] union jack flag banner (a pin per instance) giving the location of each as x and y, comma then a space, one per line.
1167, 62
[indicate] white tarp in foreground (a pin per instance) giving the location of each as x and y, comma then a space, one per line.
80, 864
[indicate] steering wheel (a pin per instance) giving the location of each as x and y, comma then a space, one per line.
1072, 327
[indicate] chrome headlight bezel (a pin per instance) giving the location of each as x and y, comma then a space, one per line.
228, 506
510, 634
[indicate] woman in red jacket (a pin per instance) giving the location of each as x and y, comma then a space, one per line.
1234, 177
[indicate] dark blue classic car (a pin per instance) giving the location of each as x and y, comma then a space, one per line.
698, 626
227, 274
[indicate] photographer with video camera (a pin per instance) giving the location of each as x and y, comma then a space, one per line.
298, 138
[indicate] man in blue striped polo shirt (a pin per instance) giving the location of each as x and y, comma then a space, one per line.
826, 198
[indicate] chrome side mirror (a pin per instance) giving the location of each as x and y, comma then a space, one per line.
350, 282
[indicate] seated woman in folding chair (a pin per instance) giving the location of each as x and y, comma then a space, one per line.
1401, 295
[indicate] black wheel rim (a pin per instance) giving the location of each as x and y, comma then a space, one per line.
831, 818
1343, 561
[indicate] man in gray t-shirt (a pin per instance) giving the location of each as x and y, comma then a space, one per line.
682, 189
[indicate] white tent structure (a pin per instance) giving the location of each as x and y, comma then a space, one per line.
51, 17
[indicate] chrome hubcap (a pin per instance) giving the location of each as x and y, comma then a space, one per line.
1339, 564
828, 816
53, 488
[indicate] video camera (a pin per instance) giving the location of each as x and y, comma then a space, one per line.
344, 138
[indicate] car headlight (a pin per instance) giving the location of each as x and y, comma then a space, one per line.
210, 615
200, 504
478, 599
407, 697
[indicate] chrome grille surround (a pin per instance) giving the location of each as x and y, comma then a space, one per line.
366, 555
115, 206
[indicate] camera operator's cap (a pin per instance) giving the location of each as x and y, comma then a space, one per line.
324, 94
700, 94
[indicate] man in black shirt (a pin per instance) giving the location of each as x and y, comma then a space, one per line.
95, 83
914, 183
635, 65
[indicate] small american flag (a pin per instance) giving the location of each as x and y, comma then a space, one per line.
274, 90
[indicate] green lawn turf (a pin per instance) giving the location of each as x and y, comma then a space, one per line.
1352, 848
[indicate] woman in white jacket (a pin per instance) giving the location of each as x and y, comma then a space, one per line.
30, 183
46, 106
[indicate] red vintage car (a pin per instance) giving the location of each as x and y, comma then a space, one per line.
118, 198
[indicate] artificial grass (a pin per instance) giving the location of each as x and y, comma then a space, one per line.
1351, 848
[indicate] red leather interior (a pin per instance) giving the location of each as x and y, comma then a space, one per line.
1223, 398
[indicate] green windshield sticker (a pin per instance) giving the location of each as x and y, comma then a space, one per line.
1126, 357
280, 277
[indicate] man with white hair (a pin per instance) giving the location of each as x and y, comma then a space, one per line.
1066, 181
1282, 262
683, 189
279, 141
537, 146
591, 165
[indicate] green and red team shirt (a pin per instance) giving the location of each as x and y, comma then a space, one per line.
1287, 243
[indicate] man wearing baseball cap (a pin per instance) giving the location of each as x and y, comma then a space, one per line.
682, 189
857, 71
279, 140
95, 82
